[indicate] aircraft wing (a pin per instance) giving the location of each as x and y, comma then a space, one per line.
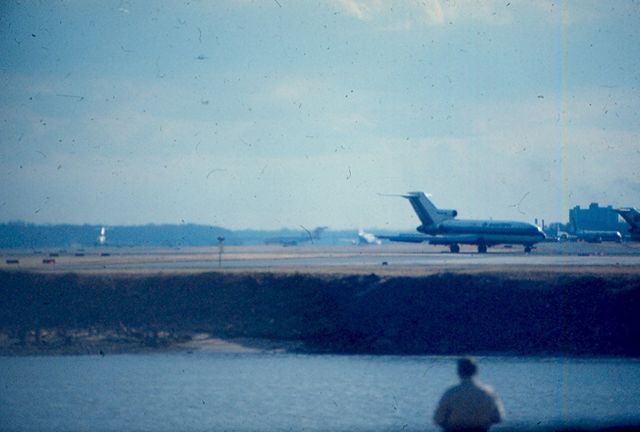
406, 238
437, 239
446, 240
454, 239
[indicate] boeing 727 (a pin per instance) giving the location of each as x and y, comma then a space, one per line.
440, 227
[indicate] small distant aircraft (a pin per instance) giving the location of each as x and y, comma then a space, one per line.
564, 236
632, 217
440, 227
596, 236
365, 238
293, 240
591, 236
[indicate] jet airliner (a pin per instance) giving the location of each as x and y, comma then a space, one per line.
440, 227
294, 241
365, 238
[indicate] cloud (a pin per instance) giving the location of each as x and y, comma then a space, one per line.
433, 11
492, 12
292, 89
361, 9
569, 13
531, 145
430, 12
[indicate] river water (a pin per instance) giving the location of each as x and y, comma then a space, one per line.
283, 392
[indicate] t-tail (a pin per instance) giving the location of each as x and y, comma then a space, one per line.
632, 217
427, 212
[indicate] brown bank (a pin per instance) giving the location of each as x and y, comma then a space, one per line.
445, 313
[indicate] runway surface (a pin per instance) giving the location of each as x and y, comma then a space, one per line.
386, 257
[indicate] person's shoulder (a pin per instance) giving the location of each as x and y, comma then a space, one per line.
485, 388
483, 385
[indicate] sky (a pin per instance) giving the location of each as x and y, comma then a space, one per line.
281, 113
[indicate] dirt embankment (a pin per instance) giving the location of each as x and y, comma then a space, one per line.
437, 314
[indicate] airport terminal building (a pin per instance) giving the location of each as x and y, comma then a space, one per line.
595, 218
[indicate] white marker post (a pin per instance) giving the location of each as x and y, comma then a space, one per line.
220, 250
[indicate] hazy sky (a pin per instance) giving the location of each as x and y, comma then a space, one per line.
274, 113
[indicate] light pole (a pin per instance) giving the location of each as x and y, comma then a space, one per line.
220, 250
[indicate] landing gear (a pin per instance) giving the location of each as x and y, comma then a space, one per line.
527, 249
482, 248
454, 248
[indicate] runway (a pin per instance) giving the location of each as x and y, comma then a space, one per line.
386, 258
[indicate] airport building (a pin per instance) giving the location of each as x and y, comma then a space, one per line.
594, 218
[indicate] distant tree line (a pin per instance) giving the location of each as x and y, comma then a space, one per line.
25, 235
22, 235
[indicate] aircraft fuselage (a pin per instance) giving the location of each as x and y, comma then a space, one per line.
483, 232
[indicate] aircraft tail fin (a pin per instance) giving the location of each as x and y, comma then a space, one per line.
631, 216
427, 212
102, 238
317, 231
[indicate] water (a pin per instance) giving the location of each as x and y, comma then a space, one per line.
282, 392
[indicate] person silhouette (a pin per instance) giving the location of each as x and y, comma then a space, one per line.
470, 405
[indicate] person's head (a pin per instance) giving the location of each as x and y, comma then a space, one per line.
467, 367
